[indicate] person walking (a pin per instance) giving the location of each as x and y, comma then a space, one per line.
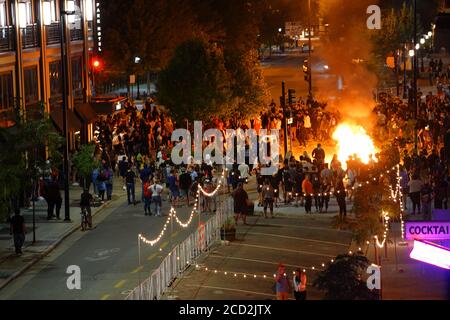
282, 285
18, 231
240, 204
130, 179
109, 175
172, 183
299, 282
308, 190
156, 189
268, 195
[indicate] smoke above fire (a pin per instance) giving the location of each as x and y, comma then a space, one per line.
346, 50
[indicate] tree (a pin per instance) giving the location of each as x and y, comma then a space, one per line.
342, 279
85, 162
248, 89
147, 29
23, 162
195, 84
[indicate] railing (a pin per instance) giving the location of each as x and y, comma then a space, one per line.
183, 255
53, 33
6, 39
30, 36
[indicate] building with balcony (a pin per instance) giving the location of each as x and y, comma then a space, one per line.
31, 62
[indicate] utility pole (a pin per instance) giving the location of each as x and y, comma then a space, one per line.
309, 55
64, 74
283, 105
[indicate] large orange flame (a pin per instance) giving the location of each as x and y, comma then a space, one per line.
353, 139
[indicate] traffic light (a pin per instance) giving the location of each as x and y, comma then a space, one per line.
306, 69
292, 98
96, 64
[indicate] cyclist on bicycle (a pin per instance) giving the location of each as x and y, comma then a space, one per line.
85, 204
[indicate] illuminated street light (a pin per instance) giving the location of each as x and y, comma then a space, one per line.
411, 53
280, 29
417, 46
427, 37
430, 33
422, 41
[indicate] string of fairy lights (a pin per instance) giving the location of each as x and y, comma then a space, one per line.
394, 195
173, 213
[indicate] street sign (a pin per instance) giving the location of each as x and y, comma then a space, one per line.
431, 253
132, 79
427, 230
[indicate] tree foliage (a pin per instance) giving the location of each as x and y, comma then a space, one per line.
21, 161
195, 84
85, 162
342, 279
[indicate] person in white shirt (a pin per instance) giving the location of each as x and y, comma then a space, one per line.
156, 190
244, 172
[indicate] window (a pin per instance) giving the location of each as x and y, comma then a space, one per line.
3, 14
6, 88
31, 86
55, 84
77, 77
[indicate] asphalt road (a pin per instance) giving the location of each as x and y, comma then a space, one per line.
107, 257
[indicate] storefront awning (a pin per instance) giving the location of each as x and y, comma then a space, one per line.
73, 123
86, 112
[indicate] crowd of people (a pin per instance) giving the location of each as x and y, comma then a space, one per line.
425, 173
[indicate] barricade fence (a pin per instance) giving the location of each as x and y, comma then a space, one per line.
184, 254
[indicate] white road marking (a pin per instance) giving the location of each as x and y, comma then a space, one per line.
283, 249
231, 289
296, 238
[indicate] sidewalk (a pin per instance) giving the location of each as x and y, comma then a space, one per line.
49, 234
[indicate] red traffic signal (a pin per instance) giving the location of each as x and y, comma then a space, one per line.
96, 64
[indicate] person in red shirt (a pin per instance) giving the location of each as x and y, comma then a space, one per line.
308, 190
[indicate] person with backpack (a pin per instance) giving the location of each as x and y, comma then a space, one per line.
147, 197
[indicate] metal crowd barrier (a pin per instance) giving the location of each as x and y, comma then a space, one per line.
184, 254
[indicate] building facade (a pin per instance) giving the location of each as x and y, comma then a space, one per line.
31, 63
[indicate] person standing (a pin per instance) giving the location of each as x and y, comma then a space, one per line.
156, 189
147, 197
109, 174
283, 287
54, 199
341, 195
172, 183
319, 155
185, 184
308, 191
268, 195
130, 179
299, 282
240, 204
415, 186
18, 231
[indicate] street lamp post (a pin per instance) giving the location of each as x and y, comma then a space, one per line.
415, 79
64, 75
309, 53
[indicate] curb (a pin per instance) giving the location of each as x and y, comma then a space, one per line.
47, 251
